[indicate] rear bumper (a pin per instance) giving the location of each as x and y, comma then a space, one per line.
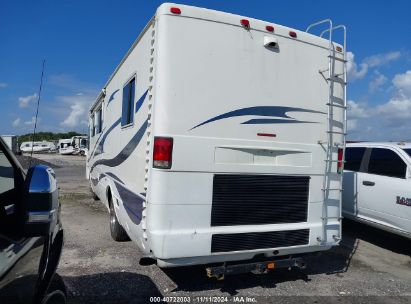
233, 257
190, 247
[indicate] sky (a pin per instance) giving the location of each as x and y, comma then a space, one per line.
83, 41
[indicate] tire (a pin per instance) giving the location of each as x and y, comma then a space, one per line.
117, 231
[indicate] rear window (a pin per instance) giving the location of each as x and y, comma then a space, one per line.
386, 162
353, 158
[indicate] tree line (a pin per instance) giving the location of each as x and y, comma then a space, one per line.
49, 136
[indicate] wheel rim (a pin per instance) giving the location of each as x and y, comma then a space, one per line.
112, 217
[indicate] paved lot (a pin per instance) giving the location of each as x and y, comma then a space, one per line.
370, 266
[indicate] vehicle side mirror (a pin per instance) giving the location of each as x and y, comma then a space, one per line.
41, 201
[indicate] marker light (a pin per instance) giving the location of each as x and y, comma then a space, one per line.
293, 34
245, 22
339, 49
340, 161
163, 150
175, 10
269, 28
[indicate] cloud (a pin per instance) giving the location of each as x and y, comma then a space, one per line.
388, 121
32, 121
381, 59
352, 124
3, 85
357, 110
78, 105
403, 83
377, 82
25, 101
16, 123
395, 110
353, 70
358, 71
76, 115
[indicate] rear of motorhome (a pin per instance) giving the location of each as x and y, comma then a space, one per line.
219, 138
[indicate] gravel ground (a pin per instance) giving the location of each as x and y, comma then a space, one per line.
370, 266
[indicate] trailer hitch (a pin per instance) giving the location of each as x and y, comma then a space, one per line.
219, 272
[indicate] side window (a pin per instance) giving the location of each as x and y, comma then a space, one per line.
98, 121
386, 162
128, 103
353, 158
93, 126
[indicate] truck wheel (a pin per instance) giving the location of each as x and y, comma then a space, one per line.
117, 231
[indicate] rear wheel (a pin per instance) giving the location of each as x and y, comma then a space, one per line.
117, 231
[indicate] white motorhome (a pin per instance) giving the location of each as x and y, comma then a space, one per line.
37, 146
74, 145
217, 136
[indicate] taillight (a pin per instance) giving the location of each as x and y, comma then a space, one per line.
340, 161
162, 152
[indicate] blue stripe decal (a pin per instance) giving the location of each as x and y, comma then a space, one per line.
263, 121
100, 146
125, 153
116, 178
133, 203
140, 102
112, 96
266, 111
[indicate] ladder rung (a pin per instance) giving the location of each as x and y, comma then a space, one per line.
333, 189
336, 79
336, 58
336, 105
337, 100
336, 132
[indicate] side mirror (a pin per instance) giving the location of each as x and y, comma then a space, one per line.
41, 203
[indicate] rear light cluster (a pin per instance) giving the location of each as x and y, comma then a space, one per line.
162, 152
340, 161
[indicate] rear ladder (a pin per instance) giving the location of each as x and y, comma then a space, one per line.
330, 145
